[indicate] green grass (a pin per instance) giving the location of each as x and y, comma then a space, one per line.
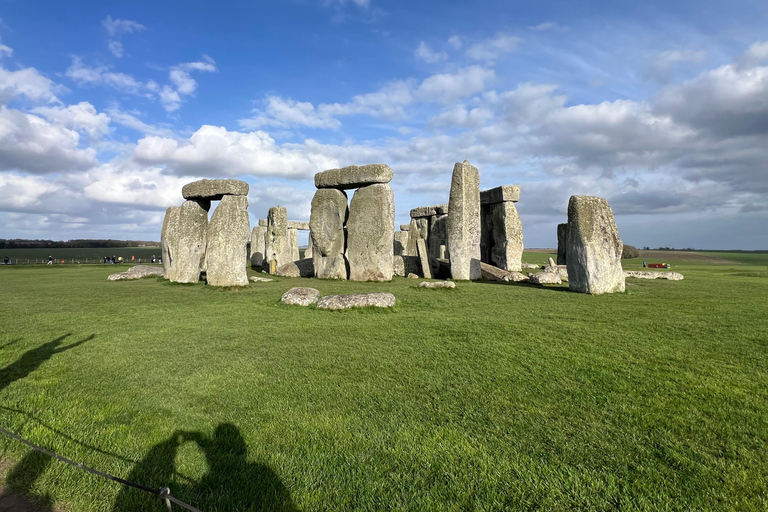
70, 254
486, 397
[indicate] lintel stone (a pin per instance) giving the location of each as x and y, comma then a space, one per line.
214, 190
502, 194
354, 176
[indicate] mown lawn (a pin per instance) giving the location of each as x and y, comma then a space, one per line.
486, 397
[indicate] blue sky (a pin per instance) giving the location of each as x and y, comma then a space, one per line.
109, 109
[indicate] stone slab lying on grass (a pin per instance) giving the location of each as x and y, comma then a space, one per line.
491, 273
361, 300
354, 176
214, 190
300, 296
257, 279
137, 272
517, 277
412, 275
299, 268
437, 284
530, 265
544, 278
672, 276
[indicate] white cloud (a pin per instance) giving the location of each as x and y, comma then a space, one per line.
129, 120
455, 41
460, 116
662, 64
100, 75
180, 76
29, 83
118, 27
449, 87
491, 49
388, 102
116, 47
81, 117
169, 98
126, 182
20, 192
5, 51
423, 52
285, 112
547, 25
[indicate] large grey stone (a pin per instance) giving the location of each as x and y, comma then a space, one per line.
404, 265
228, 234
426, 269
257, 279
593, 253
501, 236
438, 235
301, 226
263, 223
329, 215
293, 235
400, 242
464, 222
428, 211
354, 176
637, 274
502, 194
137, 272
300, 296
191, 242
375, 299
278, 242
419, 230
405, 227
438, 284
169, 236
298, 268
214, 190
562, 242
258, 245
308, 250
370, 230
544, 278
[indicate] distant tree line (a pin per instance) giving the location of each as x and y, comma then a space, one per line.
82, 243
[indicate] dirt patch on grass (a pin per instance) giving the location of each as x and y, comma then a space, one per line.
685, 256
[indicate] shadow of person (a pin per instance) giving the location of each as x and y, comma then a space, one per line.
233, 483
18, 496
32, 359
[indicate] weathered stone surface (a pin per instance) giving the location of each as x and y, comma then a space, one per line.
214, 190
354, 176
308, 250
400, 242
501, 241
191, 243
428, 211
438, 235
257, 279
438, 284
405, 227
326, 223
263, 223
464, 222
413, 275
137, 272
300, 296
672, 276
517, 277
293, 235
562, 242
530, 265
502, 194
370, 230
299, 268
491, 273
301, 226
544, 278
441, 268
228, 234
560, 270
169, 236
426, 269
278, 241
376, 299
404, 265
593, 252
258, 245
419, 230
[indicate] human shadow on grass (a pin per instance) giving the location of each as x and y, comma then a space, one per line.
232, 482
32, 359
18, 494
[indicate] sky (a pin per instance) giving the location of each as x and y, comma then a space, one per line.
107, 109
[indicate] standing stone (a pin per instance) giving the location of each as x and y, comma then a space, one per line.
326, 225
293, 235
169, 237
438, 235
426, 270
258, 245
593, 252
308, 250
464, 222
507, 251
562, 242
277, 241
228, 234
370, 233
191, 241
400, 242
418, 230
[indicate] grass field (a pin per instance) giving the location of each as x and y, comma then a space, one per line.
79, 255
486, 397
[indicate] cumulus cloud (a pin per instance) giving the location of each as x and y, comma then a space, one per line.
100, 75
660, 68
460, 116
5, 51
449, 87
425, 53
82, 117
118, 27
455, 41
285, 112
130, 120
492, 49
28, 83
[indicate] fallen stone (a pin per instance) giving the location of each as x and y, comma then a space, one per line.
426, 269
671, 276
502, 194
258, 245
560, 270
191, 243
354, 176
593, 252
562, 242
137, 272
300, 296
413, 275
370, 231
169, 236
228, 234
429, 211
437, 284
464, 222
299, 268
517, 277
491, 273
362, 300
257, 279
278, 241
326, 223
214, 190
530, 265
544, 278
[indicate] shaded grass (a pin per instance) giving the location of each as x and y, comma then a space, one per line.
487, 397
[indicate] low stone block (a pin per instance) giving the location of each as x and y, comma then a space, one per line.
137, 272
438, 285
354, 176
214, 190
299, 268
502, 194
671, 276
375, 299
544, 278
300, 296
257, 279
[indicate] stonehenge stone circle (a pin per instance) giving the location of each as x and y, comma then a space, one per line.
354, 176
593, 252
214, 190
191, 243
326, 224
169, 236
370, 231
277, 241
375, 299
228, 234
562, 242
258, 245
464, 222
